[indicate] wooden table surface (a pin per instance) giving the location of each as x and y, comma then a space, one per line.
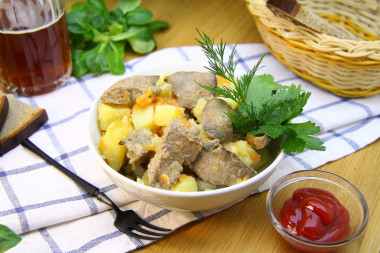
245, 227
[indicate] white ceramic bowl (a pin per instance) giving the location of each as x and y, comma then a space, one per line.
189, 201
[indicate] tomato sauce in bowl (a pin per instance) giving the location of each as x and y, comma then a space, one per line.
317, 211
315, 214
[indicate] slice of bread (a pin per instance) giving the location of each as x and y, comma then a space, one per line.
294, 11
21, 121
4, 106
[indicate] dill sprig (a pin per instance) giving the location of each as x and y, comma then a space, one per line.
264, 106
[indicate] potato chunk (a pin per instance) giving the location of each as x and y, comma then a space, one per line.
185, 183
197, 110
110, 113
229, 101
143, 117
224, 82
165, 113
109, 146
166, 90
204, 135
244, 151
161, 81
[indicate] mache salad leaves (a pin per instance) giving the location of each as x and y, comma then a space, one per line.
264, 106
99, 38
8, 239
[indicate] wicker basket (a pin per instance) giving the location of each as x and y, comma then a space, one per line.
349, 68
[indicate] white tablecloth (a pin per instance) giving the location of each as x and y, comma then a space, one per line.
53, 215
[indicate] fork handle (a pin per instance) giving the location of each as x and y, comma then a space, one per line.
89, 188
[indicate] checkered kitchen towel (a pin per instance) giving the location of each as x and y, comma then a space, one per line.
53, 215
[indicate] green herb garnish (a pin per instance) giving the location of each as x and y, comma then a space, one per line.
264, 105
98, 38
8, 239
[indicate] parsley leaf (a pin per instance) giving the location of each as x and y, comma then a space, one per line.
264, 106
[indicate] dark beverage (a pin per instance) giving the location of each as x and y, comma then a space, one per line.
34, 60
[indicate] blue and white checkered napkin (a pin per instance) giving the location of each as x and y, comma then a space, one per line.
52, 214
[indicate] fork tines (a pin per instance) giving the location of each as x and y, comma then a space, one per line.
145, 232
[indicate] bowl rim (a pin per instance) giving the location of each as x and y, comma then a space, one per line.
342, 242
92, 123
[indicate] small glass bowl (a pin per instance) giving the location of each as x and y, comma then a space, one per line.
347, 194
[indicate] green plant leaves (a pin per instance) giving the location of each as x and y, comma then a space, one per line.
264, 106
115, 58
8, 239
157, 25
98, 38
128, 5
98, 7
78, 22
141, 46
139, 16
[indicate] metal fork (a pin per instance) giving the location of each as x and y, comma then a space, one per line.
127, 221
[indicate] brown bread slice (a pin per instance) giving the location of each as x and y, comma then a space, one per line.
301, 15
4, 106
21, 122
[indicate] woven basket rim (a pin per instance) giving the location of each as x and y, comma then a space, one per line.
323, 43
347, 68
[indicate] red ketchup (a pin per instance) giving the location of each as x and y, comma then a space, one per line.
315, 214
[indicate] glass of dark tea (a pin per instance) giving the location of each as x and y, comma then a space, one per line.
34, 46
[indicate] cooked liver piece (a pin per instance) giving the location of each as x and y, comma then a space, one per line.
126, 91
180, 145
186, 88
258, 142
215, 120
220, 167
136, 143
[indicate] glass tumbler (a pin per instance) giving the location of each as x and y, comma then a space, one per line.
34, 46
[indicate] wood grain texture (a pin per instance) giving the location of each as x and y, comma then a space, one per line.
245, 227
